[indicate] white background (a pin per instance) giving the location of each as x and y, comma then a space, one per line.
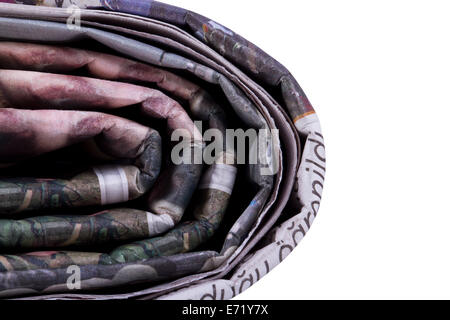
378, 75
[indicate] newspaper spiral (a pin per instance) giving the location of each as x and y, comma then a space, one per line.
94, 178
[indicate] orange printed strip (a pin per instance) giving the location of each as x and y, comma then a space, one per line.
304, 115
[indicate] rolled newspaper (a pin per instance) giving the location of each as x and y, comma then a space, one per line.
204, 229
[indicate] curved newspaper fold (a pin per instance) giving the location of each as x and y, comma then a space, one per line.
101, 276
230, 213
23, 89
27, 133
57, 59
105, 227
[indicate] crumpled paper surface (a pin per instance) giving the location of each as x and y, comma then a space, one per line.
203, 237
